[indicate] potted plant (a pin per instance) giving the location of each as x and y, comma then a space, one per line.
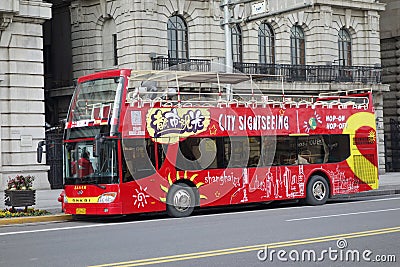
19, 192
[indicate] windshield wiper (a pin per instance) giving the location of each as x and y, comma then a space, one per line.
94, 182
90, 180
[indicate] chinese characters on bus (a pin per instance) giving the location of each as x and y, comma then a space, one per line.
166, 122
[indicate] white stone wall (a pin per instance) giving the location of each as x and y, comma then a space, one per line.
141, 29
390, 47
21, 89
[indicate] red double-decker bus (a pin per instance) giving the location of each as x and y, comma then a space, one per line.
173, 141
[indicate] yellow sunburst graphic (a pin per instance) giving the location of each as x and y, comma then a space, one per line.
178, 177
372, 137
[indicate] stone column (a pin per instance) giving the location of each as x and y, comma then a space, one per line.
380, 134
22, 89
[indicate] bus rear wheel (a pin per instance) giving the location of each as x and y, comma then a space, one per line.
180, 200
317, 191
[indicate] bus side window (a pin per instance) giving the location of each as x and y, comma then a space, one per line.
162, 154
312, 149
303, 149
205, 153
236, 156
339, 147
186, 155
140, 159
151, 153
285, 150
127, 176
226, 151
268, 151
255, 151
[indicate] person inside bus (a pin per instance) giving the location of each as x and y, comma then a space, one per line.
73, 165
84, 165
301, 160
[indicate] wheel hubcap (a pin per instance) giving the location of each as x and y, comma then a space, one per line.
182, 200
319, 190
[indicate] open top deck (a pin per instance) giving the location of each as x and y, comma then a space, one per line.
182, 88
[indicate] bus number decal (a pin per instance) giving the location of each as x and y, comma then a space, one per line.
80, 187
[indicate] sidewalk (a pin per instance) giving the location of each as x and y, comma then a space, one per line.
389, 184
45, 200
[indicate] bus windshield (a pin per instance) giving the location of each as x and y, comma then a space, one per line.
81, 167
94, 100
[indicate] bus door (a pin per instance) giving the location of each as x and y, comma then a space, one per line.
140, 188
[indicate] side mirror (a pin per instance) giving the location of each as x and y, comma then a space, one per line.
39, 151
98, 145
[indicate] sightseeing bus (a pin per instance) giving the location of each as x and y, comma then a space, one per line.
174, 141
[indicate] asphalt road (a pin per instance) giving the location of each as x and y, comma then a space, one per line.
342, 233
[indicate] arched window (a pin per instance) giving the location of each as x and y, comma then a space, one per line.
109, 44
297, 46
237, 44
344, 43
177, 38
266, 44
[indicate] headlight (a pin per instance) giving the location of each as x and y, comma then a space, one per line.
107, 197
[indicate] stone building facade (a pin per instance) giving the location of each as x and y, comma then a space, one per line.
141, 29
390, 43
341, 37
21, 88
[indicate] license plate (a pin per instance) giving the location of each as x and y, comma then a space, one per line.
80, 211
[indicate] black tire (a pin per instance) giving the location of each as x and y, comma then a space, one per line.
317, 191
181, 200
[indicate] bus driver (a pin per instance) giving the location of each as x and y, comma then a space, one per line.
84, 165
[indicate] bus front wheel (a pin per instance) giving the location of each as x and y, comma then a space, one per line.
180, 200
317, 191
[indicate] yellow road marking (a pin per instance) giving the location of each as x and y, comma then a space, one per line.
221, 252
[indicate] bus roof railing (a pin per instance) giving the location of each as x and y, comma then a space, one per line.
197, 77
356, 91
175, 84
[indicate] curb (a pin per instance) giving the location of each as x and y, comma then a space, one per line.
35, 219
372, 193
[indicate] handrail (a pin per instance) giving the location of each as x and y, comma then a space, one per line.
176, 83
